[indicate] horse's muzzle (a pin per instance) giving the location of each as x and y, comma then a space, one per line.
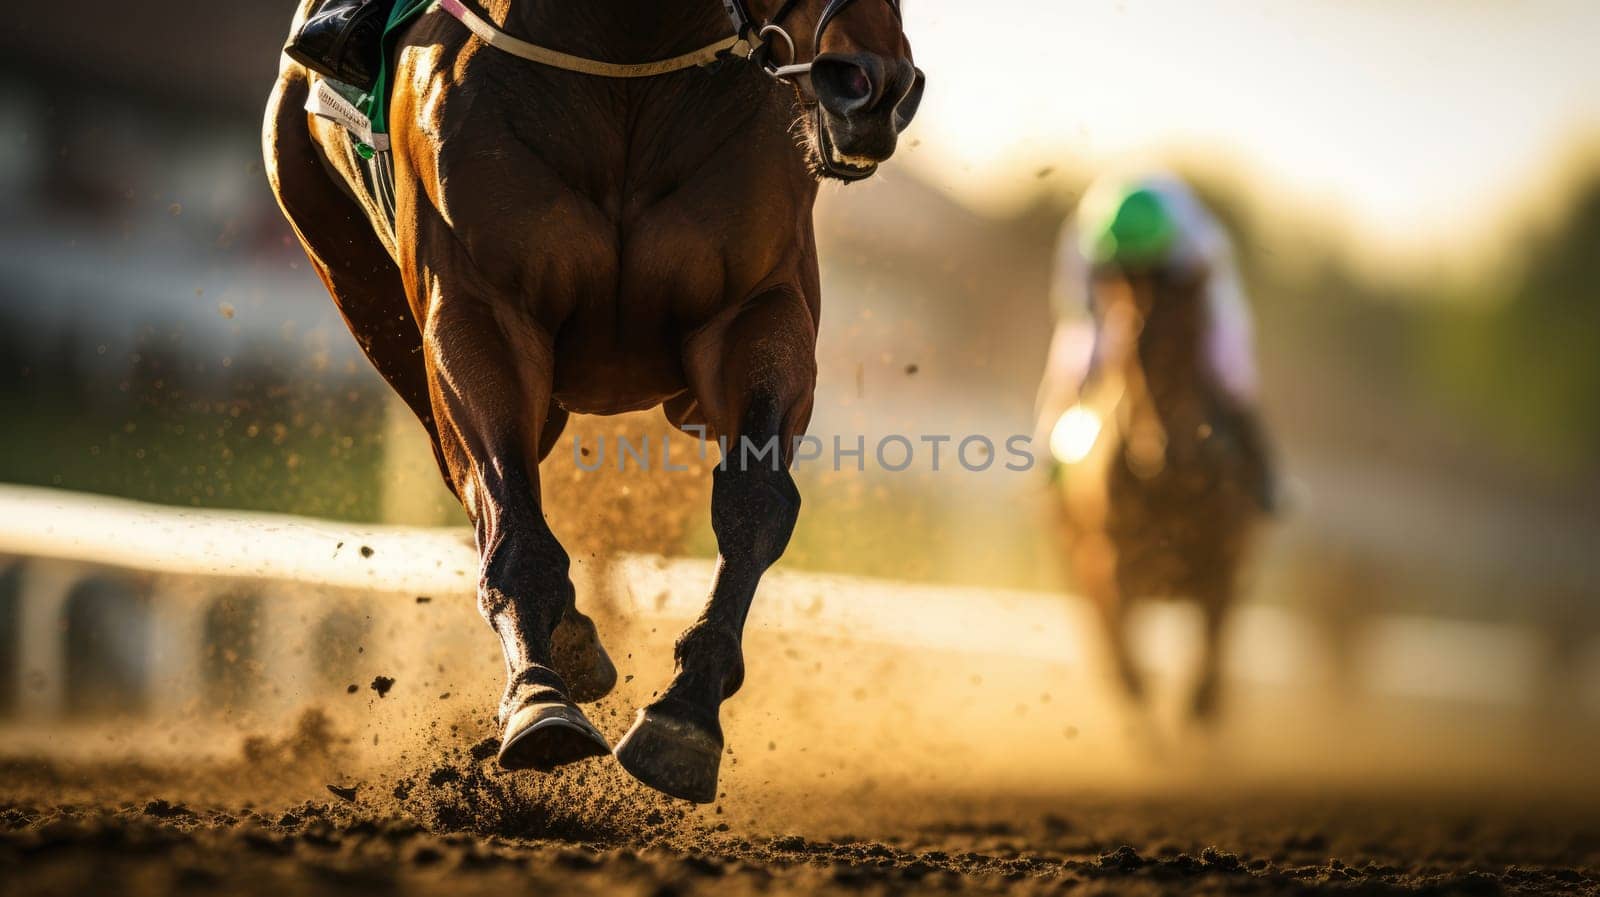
865, 101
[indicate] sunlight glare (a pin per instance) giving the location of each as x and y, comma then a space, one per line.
1074, 435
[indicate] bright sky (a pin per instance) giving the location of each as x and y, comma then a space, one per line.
1409, 119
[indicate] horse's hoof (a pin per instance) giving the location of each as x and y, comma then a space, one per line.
545, 736
672, 755
580, 660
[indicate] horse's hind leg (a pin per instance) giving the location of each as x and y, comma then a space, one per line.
352, 262
753, 380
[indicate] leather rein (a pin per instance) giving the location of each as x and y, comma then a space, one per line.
751, 40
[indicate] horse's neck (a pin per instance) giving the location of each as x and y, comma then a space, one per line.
624, 31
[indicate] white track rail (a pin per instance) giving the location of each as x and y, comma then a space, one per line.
47, 523
1420, 657
65, 526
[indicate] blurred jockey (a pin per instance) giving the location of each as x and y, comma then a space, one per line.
1153, 223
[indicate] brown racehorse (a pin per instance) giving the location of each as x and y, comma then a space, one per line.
1170, 501
572, 243
1167, 475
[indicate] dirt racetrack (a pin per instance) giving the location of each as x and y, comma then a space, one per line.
267, 823
890, 738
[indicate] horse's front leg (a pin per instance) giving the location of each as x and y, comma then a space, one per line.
490, 376
753, 379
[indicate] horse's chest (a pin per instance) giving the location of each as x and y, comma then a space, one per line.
1154, 476
664, 273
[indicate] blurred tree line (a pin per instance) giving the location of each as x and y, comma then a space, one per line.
1523, 361
1498, 369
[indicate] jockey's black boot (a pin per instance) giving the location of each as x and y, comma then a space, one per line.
1261, 476
343, 39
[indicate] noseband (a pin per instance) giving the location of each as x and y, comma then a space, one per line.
761, 37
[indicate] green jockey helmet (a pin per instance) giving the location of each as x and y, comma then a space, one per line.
1131, 227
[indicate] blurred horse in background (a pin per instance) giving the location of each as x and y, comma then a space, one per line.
1148, 406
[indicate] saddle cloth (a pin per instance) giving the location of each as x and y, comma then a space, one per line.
368, 149
364, 115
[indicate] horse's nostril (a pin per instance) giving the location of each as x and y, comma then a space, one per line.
855, 84
845, 85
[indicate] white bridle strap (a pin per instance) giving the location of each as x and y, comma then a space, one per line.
783, 71
504, 42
